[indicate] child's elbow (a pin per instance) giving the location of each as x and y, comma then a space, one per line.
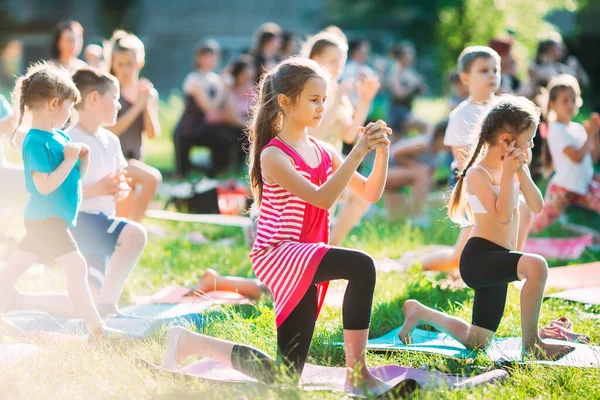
537, 207
372, 198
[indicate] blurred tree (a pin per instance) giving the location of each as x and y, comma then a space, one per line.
442, 28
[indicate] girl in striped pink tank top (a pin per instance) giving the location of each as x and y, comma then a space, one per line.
295, 180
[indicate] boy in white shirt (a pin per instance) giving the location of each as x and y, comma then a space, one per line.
110, 245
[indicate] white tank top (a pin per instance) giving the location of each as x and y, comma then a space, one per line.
475, 203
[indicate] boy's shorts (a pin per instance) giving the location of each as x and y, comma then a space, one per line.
97, 235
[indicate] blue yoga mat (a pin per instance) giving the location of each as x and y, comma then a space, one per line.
501, 349
139, 322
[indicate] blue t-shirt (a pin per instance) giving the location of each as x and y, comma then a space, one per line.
43, 152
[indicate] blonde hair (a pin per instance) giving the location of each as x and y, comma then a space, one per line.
124, 41
509, 114
316, 44
42, 83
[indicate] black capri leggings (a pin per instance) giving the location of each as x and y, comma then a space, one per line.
488, 269
296, 332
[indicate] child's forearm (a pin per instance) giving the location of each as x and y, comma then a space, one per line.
94, 190
327, 195
48, 183
375, 183
125, 121
506, 201
151, 122
532, 194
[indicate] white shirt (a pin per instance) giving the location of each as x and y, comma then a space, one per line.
106, 157
464, 122
571, 175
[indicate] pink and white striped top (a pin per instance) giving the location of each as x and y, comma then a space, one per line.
292, 236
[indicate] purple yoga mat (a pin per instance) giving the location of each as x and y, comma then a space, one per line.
332, 378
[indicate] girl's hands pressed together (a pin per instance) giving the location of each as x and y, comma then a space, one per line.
84, 152
373, 136
513, 159
72, 151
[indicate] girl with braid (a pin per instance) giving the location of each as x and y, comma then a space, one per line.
488, 193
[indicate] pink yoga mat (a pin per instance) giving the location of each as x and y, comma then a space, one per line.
586, 295
560, 248
177, 294
332, 378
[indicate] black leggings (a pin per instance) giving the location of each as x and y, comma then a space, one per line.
296, 332
488, 269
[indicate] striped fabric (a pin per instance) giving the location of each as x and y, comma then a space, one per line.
292, 237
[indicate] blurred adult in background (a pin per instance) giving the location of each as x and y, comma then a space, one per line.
266, 51
207, 116
66, 45
550, 62
405, 84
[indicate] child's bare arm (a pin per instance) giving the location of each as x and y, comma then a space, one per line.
277, 168
532, 194
47, 183
151, 121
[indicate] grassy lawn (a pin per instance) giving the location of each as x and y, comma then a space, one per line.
112, 372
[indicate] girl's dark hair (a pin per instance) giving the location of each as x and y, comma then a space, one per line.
510, 114
287, 78
58, 31
557, 85
315, 45
40, 84
90, 79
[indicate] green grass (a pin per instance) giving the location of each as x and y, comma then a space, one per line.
111, 371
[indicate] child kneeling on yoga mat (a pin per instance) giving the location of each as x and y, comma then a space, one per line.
296, 179
487, 194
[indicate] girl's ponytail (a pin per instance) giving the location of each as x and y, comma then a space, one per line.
19, 97
265, 126
459, 210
